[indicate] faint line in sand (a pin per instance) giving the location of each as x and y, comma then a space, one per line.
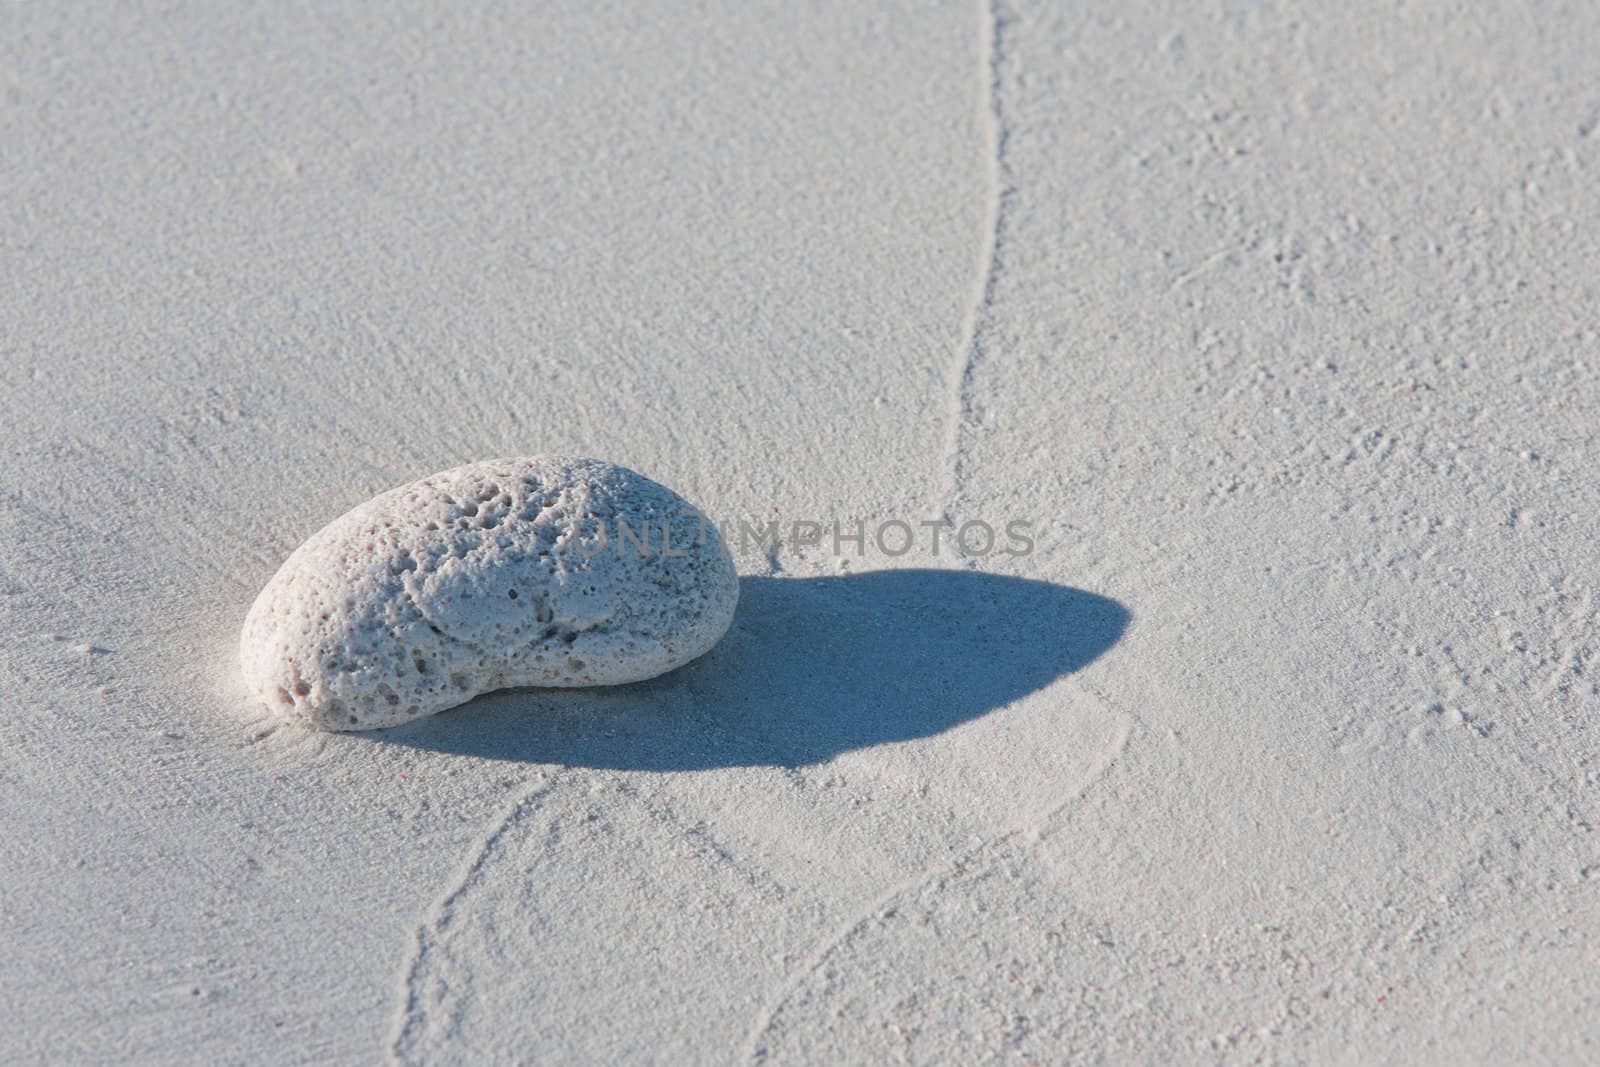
755, 1048
1001, 193
413, 1018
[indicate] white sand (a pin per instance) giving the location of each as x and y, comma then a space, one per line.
1279, 319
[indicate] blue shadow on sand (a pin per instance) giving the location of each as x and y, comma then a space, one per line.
812, 667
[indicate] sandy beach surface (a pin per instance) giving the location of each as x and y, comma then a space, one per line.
1275, 322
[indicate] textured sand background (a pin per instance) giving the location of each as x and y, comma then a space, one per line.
1278, 318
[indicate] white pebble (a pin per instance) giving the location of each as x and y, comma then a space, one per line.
512, 572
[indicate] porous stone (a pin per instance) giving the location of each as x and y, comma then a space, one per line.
513, 572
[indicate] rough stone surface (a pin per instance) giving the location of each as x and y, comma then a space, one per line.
513, 572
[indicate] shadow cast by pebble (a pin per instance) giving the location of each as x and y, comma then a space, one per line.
811, 667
